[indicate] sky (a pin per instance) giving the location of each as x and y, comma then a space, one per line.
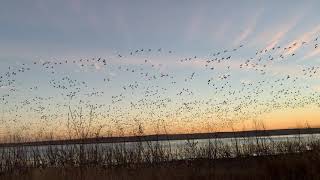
36, 34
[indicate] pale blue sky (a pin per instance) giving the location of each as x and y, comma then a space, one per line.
67, 28
43, 30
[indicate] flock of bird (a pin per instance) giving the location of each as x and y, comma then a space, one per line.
117, 94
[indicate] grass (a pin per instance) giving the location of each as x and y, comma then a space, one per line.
289, 166
262, 158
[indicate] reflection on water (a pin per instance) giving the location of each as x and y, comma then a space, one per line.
178, 145
127, 153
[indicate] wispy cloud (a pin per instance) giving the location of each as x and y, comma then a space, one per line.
279, 35
306, 37
311, 54
251, 25
195, 23
220, 31
272, 37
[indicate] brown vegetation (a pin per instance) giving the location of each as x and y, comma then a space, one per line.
259, 159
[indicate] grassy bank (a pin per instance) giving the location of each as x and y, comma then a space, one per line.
259, 158
289, 166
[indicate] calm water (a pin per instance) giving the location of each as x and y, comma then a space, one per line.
179, 144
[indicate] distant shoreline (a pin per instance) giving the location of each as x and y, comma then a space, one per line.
171, 137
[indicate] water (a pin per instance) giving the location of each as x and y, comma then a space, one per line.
176, 144
176, 149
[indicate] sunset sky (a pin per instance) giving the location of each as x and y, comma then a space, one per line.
148, 78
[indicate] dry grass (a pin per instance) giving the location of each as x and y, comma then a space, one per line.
290, 166
261, 159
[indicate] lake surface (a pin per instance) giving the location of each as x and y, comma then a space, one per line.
179, 144
117, 153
